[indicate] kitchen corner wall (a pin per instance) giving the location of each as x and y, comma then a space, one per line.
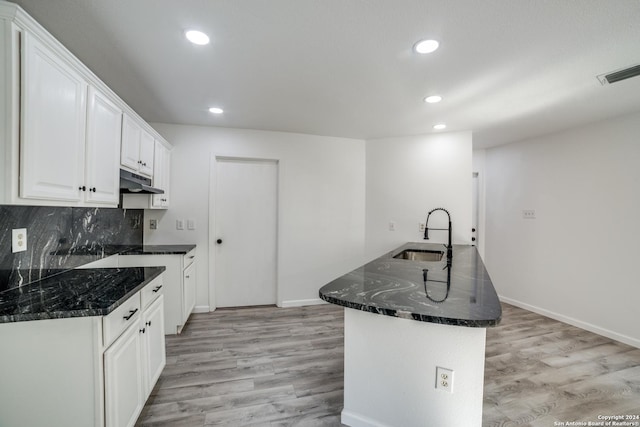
409, 176
61, 238
321, 203
577, 261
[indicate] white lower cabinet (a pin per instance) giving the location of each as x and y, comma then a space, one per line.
153, 346
133, 363
179, 284
83, 371
123, 379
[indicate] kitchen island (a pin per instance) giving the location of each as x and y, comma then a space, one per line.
405, 319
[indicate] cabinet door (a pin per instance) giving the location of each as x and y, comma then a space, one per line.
147, 145
123, 378
104, 132
130, 150
161, 176
53, 125
189, 291
154, 349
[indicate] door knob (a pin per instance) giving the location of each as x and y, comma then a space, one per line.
219, 241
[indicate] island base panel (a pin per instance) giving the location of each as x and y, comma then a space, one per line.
390, 372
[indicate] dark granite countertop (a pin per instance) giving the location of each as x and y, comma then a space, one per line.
108, 250
159, 250
396, 287
74, 293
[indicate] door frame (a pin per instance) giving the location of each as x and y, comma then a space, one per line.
212, 221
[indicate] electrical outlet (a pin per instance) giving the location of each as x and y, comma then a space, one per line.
179, 224
392, 226
19, 240
153, 224
444, 379
421, 226
528, 214
191, 224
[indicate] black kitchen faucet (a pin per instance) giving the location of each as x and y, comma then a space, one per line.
426, 231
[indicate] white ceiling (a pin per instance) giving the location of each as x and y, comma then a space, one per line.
507, 69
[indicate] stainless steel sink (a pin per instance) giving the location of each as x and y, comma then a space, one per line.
420, 255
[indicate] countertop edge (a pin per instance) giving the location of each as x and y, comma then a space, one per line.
469, 323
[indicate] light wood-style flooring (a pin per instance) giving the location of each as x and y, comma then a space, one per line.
269, 366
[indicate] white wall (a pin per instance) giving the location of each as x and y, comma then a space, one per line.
321, 202
577, 261
409, 176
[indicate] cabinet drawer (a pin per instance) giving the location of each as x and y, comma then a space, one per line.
188, 258
119, 319
149, 293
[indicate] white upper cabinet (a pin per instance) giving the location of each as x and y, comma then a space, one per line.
61, 128
53, 125
137, 148
104, 123
161, 172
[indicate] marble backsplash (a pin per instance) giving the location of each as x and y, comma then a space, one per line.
62, 238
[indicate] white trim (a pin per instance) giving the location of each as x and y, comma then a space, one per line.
301, 302
202, 309
575, 322
356, 420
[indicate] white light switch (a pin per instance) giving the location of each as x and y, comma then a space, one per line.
392, 226
179, 224
191, 224
19, 240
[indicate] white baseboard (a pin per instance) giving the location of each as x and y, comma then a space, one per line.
201, 309
301, 302
575, 322
356, 420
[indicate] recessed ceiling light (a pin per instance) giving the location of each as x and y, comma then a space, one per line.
197, 37
433, 99
426, 46
216, 110
440, 126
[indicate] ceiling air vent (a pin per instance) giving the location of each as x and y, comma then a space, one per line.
616, 76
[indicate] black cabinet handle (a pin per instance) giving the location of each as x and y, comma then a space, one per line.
157, 289
473, 239
131, 313
148, 323
142, 330
83, 188
219, 241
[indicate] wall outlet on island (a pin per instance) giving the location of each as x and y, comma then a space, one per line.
179, 224
153, 224
444, 379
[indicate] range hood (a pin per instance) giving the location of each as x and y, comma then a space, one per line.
132, 183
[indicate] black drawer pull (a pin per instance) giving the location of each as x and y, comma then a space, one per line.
131, 313
157, 289
142, 330
149, 323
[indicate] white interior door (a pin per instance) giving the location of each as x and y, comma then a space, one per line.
245, 232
